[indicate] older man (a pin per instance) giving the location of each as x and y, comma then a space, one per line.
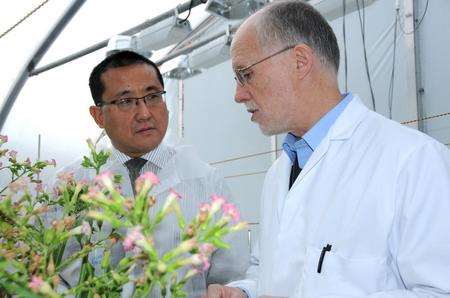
128, 92
356, 205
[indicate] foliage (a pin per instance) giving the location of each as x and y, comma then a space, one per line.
37, 226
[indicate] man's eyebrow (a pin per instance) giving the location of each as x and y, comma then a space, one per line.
123, 92
152, 88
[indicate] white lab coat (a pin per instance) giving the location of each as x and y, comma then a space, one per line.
379, 193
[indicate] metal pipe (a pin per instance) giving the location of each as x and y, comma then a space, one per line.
170, 13
36, 57
196, 45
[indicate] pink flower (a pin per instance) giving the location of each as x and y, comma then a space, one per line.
93, 192
86, 228
217, 202
205, 207
18, 185
51, 162
129, 243
105, 179
207, 249
146, 178
28, 161
200, 260
65, 177
39, 187
175, 194
36, 283
3, 139
149, 176
12, 154
231, 211
82, 183
56, 191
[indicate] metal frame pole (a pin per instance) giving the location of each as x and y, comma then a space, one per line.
170, 13
36, 57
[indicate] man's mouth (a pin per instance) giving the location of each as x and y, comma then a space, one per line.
144, 129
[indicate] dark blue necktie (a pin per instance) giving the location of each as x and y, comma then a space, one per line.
295, 170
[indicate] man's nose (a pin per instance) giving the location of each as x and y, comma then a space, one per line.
241, 94
142, 111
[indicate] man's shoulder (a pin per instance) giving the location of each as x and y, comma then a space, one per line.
188, 162
394, 133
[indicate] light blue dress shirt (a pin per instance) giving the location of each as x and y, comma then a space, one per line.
305, 146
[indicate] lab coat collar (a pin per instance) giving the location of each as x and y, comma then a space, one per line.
342, 129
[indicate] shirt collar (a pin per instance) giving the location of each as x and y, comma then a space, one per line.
312, 138
158, 156
317, 133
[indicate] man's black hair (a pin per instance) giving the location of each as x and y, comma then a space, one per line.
119, 59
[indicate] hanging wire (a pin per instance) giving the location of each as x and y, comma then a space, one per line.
246, 174
416, 27
189, 12
391, 83
426, 118
344, 12
24, 18
280, 149
362, 23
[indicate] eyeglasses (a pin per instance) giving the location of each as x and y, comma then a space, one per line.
242, 75
127, 104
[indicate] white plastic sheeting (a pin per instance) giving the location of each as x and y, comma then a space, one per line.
55, 103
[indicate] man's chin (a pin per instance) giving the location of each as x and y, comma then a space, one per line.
269, 131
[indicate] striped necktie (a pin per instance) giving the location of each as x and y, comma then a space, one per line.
134, 166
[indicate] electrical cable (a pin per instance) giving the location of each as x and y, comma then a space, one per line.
391, 83
24, 18
362, 22
416, 27
189, 12
344, 12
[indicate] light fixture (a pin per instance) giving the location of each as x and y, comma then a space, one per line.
164, 33
234, 9
183, 70
125, 43
211, 54
120, 43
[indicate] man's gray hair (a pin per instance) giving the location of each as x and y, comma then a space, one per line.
293, 22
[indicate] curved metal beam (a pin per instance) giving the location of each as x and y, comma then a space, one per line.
36, 57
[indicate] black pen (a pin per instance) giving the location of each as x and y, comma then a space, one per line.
322, 255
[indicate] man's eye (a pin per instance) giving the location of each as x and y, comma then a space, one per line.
152, 98
125, 102
247, 75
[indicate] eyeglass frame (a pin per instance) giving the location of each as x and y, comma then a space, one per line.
116, 102
240, 72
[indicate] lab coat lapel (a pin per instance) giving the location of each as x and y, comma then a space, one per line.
282, 187
342, 129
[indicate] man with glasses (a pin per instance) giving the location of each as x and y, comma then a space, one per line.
356, 205
128, 92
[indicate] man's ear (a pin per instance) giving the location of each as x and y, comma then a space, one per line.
304, 57
97, 115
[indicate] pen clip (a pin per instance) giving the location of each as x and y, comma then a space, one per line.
322, 256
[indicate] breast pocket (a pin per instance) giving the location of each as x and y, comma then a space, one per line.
340, 276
